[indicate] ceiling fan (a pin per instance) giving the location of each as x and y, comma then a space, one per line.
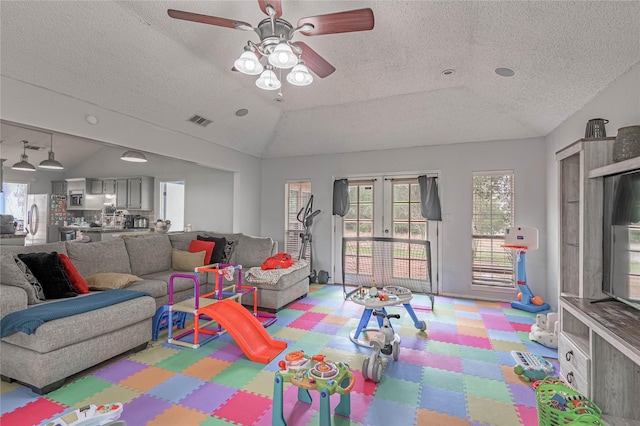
275, 42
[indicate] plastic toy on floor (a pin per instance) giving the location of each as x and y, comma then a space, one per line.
521, 239
545, 330
315, 373
89, 415
530, 366
386, 342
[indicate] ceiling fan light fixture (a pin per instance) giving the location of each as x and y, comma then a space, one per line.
282, 56
24, 164
51, 162
268, 80
248, 63
134, 156
300, 75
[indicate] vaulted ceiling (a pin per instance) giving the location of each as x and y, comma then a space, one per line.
388, 90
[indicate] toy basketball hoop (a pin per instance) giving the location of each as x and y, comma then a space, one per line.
521, 239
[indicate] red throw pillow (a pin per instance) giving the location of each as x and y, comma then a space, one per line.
74, 276
207, 246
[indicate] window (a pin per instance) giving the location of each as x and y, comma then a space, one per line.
297, 195
493, 207
13, 201
358, 222
407, 217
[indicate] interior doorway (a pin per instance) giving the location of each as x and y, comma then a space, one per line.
172, 204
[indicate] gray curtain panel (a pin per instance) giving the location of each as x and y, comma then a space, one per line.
340, 197
429, 199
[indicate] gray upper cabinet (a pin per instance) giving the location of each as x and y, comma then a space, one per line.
59, 187
134, 193
109, 186
121, 193
96, 187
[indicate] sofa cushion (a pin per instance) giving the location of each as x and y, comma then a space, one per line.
74, 276
182, 240
110, 280
218, 250
251, 251
186, 261
199, 245
149, 254
48, 269
12, 299
157, 288
59, 247
101, 256
12, 275
83, 327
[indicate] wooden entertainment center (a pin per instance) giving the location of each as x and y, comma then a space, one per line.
599, 343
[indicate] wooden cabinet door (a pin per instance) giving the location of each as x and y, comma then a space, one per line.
121, 193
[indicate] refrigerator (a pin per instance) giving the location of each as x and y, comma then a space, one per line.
44, 213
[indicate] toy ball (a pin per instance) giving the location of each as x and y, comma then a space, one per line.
520, 296
537, 300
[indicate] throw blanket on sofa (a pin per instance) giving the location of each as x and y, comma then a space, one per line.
257, 275
28, 320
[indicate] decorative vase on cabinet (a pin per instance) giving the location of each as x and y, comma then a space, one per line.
627, 144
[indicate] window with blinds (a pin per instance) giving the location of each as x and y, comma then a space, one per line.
493, 213
297, 195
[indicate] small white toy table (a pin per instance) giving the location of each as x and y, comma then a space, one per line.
396, 296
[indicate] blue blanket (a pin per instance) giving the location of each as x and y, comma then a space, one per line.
28, 320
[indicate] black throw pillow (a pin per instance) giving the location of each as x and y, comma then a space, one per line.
218, 249
49, 271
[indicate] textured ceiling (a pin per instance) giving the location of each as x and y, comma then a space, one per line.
388, 90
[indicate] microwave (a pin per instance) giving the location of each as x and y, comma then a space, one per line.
75, 199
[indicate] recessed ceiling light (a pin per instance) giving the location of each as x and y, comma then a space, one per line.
91, 119
448, 72
505, 72
242, 112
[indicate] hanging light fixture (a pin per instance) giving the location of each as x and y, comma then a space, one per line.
282, 56
24, 164
51, 163
268, 80
248, 62
134, 156
300, 75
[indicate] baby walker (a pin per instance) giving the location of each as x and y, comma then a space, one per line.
520, 239
386, 342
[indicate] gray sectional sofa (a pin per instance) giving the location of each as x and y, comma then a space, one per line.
65, 346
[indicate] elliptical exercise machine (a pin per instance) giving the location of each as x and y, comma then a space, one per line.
305, 216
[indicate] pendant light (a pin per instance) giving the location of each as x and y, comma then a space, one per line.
300, 75
24, 164
51, 162
268, 80
134, 156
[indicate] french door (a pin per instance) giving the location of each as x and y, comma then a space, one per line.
385, 206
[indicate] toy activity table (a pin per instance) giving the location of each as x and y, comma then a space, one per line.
313, 373
391, 296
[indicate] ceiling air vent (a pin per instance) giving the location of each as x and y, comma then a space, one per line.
200, 121
34, 147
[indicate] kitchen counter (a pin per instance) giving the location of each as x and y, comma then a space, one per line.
101, 230
16, 239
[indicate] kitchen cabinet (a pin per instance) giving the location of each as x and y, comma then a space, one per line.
59, 187
134, 193
121, 193
109, 186
96, 186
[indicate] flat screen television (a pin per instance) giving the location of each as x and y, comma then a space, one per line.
621, 237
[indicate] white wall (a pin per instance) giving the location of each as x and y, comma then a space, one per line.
38, 107
620, 104
455, 163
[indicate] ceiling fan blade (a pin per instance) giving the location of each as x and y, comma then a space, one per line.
341, 22
314, 61
206, 19
277, 6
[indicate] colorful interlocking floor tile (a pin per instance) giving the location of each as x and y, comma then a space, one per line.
458, 372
